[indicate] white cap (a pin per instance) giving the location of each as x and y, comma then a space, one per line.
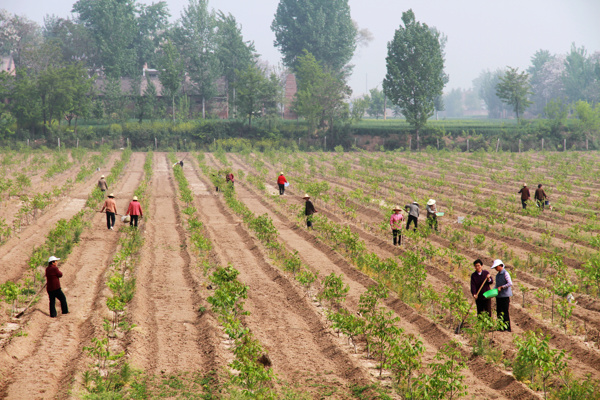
52, 258
496, 263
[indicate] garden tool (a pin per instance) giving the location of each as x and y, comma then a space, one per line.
19, 315
459, 327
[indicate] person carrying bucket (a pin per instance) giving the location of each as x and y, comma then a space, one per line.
134, 211
540, 197
504, 286
480, 283
396, 221
111, 210
432, 215
281, 181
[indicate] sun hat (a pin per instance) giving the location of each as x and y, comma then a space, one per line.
111, 195
52, 258
524, 184
396, 208
306, 196
431, 202
135, 198
102, 176
496, 263
281, 173
414, 202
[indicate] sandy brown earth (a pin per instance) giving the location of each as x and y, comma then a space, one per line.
44, 363
172, 334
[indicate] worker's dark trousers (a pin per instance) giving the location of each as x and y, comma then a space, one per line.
412, 219
483, 305
309, 219
57, 294
502, 304
281, 188
134, 220
110, 219
524, 203
397, 234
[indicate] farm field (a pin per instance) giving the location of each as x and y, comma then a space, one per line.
226, 294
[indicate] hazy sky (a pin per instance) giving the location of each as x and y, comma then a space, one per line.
481, 34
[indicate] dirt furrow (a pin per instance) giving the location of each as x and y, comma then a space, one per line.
325, 260
41, 364
281, 317
16, 251
170, 335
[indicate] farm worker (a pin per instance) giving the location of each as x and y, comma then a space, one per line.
134, 211
432, 215
111, 209
309, 210
413, 214
281, 181
396, 221
477, 279
504, 286
524, 195
53, 276
229, 178
102, 185
180, 163
540, 197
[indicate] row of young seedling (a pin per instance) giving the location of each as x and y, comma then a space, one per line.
251, 372
374, 325
407, 280
111, 374
59, 242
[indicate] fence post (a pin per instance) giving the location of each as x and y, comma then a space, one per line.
59, 143
410, 143
519, 145
438, 143
542, 144
586, 144
77, 142
155, 144
467, 145
564, 144
27, 142
325, 143
497, 144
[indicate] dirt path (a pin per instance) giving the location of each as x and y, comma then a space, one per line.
323, 259
43, 364
170, 335
16, 251
281, 317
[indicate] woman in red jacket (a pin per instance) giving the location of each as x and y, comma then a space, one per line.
134, 211
281, 181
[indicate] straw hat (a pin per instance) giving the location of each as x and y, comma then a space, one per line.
306, 196
135, 198
111, 195
396, 208
524, 184
281, 173
102, 177
431, 202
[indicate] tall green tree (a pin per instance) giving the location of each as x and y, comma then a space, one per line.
73, 39
234, 53
415, 66
376, 103
171, 73
321, 96
195, 37
250, 92
17, 33
538, 80
581, 77
152, 23
324, 28
514, 89
112, 25
485, 85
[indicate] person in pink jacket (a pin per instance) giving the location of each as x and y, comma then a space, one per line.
134, 211
396, 224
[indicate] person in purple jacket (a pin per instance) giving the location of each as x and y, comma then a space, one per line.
477, 279
53, 276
